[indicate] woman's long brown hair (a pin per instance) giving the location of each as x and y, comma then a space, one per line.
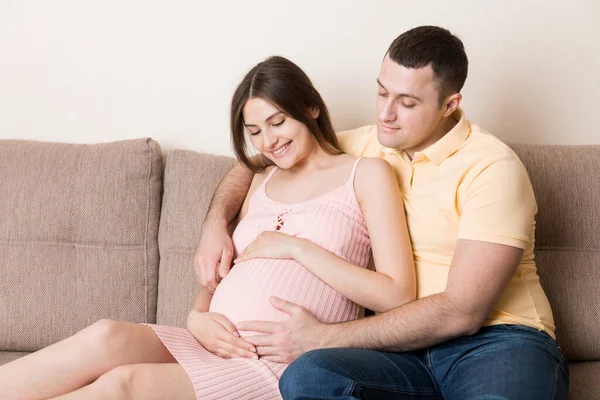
283, 84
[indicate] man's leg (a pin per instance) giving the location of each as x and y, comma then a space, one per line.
345, 373
501, 362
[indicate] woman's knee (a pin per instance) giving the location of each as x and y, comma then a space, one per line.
116, 384
107, 336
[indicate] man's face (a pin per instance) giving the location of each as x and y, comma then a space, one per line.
408, 110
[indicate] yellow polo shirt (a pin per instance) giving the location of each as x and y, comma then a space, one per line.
467, 185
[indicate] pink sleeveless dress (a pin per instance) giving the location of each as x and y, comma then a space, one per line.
332, 221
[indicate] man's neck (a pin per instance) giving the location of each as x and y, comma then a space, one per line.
445, 126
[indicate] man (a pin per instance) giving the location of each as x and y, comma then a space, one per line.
481, 326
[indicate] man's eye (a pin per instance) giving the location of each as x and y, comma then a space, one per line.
409, 105
382, 94
279, 123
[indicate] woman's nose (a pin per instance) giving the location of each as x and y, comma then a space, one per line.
269, 139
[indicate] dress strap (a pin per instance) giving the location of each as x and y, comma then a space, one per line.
260, 194
268, 178
353, 171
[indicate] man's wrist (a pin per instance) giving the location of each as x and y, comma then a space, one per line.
215, 222
328, 336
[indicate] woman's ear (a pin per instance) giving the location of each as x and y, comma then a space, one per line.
314, 112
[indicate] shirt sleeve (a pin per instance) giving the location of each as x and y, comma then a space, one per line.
499, 205
355, 141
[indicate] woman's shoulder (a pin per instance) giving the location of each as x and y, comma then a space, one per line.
372, 174
257, 180
373, 166
366, 167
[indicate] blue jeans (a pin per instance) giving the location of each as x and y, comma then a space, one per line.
499, 362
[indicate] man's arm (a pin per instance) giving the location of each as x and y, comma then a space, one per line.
215, 247
229, 195
479, 274
497, 215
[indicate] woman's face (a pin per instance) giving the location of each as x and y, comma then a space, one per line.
276, 135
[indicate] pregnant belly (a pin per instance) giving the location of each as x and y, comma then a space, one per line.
243, 295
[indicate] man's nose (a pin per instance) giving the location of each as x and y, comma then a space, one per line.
388, 111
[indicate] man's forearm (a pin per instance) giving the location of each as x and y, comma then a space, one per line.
416, 325
229, 196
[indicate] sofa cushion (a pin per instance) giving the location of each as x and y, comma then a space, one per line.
584, 380
78, 237
190, 181
566, 181
8, 356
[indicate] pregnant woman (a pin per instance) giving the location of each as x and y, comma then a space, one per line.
318, 228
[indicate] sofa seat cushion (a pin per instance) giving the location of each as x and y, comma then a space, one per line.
8, 356
585, 380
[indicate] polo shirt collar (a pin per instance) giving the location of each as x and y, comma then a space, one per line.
450, 142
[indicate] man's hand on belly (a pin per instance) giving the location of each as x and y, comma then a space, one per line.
285, 341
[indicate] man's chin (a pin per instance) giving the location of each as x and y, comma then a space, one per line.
388, 140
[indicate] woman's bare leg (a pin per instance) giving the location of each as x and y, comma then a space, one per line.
80, 359
140, 381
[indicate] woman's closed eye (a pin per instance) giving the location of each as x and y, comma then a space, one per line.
253, 133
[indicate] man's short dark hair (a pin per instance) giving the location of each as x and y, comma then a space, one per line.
433, 45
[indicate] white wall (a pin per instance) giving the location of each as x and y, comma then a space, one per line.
95, 71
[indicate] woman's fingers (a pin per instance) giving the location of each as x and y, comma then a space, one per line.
275, 359
236, 349
266, 351
235, 341
245, 255
227, 324
224, 354
232, 336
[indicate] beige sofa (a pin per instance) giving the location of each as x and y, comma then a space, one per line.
109, 231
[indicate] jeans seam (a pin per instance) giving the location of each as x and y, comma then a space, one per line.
351, 388
553, 387
395, 389
428, 356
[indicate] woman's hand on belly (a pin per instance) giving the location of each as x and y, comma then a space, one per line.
271, 245
219, 335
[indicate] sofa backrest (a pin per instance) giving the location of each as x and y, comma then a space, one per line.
190, 181
566, 182
78, 237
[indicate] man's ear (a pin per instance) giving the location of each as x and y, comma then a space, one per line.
451, 103
314, 112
